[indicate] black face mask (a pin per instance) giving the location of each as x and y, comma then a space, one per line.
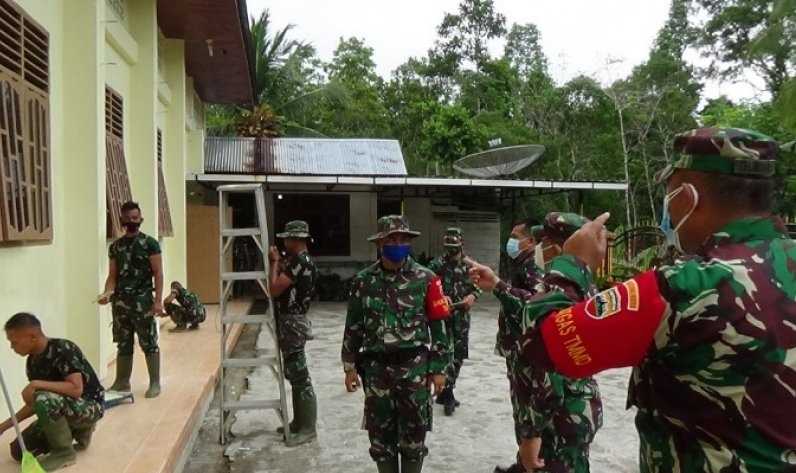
132, 227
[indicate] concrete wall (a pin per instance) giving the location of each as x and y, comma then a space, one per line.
89, 48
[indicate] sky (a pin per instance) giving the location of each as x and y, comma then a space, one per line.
602, 39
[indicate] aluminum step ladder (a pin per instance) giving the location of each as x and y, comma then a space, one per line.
228, 278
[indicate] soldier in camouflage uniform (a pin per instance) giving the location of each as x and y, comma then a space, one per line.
711, 337
188, 312
64, 394
565, 413
135, 271
462, 293
395, 341
525, 274
293, 287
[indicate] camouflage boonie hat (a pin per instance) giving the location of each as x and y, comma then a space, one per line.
392, 224
559, 226
732, 151
295, 229
453, 237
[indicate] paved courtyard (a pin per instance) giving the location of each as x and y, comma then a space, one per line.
475, 439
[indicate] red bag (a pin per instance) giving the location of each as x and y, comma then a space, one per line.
437, 307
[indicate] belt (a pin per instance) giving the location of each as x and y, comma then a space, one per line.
395, 357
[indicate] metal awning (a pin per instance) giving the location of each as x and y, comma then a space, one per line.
303, 156
411, 182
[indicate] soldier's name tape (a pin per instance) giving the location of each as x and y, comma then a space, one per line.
611, 330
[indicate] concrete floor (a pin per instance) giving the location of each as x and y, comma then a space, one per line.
475, 439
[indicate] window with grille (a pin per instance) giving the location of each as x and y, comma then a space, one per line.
25, 197
165, 228
117, 181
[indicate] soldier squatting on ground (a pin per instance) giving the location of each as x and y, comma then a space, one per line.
63, 393
184, 308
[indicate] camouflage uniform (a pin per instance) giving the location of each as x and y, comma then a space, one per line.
292, 323
525, 275
390, 340
189, 310
60, 359
713, 346
133, 297
457, 285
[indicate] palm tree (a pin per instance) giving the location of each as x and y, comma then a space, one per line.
286, 87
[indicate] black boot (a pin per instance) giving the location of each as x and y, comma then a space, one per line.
411, 466
442, 399
450, 403
515, 468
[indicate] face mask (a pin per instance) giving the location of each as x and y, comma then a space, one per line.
132, 227
396, 253
452, 250
672, 237
513, 248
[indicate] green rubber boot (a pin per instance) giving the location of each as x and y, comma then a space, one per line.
294, 426
389, 466
124, 367
83, 436
153, 366
306, 414
59, 437
411, 466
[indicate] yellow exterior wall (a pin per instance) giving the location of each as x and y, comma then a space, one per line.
89, 48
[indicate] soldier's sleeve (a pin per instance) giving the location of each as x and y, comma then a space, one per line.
294, 268
153, 247
70, 360
439, 353
581, 339
436, 266
112, 250
354, 332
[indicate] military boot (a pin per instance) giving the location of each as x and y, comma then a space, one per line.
35, 442
442, 399
411, 466
305, 417
294, 426
153, 366
389, 466
59, 437
515, 468
124, 367
83, 436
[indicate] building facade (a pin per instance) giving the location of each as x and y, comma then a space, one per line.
102, 101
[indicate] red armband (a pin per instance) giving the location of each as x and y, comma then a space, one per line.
612, 329
436, 302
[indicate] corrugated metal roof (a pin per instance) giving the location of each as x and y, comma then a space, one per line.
304, 156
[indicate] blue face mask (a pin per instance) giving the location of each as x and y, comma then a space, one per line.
396, 253
513, 248
671, 233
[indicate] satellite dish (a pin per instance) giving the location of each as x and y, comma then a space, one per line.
499, 162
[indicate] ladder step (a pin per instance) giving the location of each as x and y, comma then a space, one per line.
244, 276
245, 319
275, 404
249, 362
236, 232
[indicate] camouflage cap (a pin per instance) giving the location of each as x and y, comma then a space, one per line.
537, 232
295, 229
559, 226
390, 224
453, 237
731, 151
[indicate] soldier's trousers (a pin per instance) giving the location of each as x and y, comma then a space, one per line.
128, 322
49, 406
297, 373
397, 408
565, 446
516, 406
181, 316
458, 329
